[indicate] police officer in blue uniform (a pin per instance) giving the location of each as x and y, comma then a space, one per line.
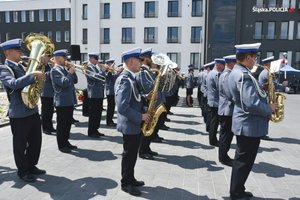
225, 111
263, 80
47, 93
25, 122
130, 117
63, 79
190, 86
250, 119
111, 77
213, 99
145, 80
95, 89
200, 81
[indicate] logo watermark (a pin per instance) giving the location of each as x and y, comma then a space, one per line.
272, 9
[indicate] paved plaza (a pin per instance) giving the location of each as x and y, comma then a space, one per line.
187, 167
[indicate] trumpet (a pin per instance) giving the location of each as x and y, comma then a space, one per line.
84, 70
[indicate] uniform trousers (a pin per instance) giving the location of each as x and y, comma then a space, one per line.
214, 123
226, 136
47, 113
95, 114
199, 96
204, 109
110, 108
130, 149
27, 140
64, 123
245, 155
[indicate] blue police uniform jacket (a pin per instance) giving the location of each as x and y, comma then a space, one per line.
204, 84
145, 80
129, 105
63, 85
47, 90
200, 78
14, 79
212, 83
95, 87
190, 81
226, 103
251, 111
110, 83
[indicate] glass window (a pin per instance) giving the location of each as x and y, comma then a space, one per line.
67, 36
7, 16
258, 31
280, 56
31, 16
150, 35
259, 3
106, 36
49, 13
150, 9
23, 15
67, 14
58, 36
84, 11
104, 56
284, 28
41, 15
271, 30
269, 54
173, 35
58, 14
127, 35
50, 35
106, 11
127, 10
298, 31
15, 16
272, 3
297, 60
286, 3
173, 9
195, 59
197, 7
196, 34
174, 57
84, 36
7, 36
84, 56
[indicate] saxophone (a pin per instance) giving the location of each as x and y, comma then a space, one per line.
154, 112
275, 97
37, 44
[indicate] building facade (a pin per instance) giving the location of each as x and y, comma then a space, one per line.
173, 27
51, 18
274, 23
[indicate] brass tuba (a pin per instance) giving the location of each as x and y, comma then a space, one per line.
38, 44
275, 97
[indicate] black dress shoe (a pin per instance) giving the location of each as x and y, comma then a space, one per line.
136, 183
153, 153
94, 135
65, 150
112, 124
74, 121
227, 162
47, 132
100, 134
164, 127
28, 178
36, 171
170, 113
244, 195
157, 140
161, 138
53, 130
216, 143
146, 156
266, 138
167, 120
131, 190
72, 146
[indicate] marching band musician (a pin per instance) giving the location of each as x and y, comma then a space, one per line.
47, 93
111, 77
225, 111
25, 122
63, 79
145, 81
130, 117
263, 81
212, 81
251, 116
200, 82
95, 91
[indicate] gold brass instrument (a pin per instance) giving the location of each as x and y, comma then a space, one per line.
38, 44
275, 97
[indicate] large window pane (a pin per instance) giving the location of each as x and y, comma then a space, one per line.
41, 15
173, 35
31, 16
298, 31
259, 3
195, 59
127, 35
269, 54
49, 13
150, 35
258, 30
127, 10
271, 30
175, 57
197, 7
84, 36
7, 16
23, 15
67, 14
84, 11
284, 30
297, 60
16, 16
106, 35
286, 3
106, 11
173, 9
150, 9
196, 34
58, 36
67, 36
58, 14
272, 3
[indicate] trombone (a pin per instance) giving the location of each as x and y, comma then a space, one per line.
83, 69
